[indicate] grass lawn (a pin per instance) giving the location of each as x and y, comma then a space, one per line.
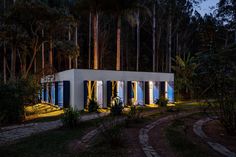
103, 149
50, 143
56, 142
181, 143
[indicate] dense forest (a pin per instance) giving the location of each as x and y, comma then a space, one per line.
41, 37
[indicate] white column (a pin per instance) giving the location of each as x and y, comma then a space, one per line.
104, 94
166, 89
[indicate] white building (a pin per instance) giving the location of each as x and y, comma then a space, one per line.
74, 87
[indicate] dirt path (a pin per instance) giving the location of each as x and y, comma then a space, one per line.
212, 142
144, 133
160, 143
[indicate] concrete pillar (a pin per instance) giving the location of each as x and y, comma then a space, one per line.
104, 94
125, 93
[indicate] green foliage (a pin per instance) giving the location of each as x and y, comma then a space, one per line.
228, 115
116, 107
112, 132
162, 101
93, 105
185, 71
70, 118
14, 95
134, 113
218, 81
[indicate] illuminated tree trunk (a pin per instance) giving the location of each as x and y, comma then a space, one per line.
138, 41
95, 38
154, 37
43, 61
118, 31
32, 61
70, 59
50, 53
170, 45
90, 32
76, 44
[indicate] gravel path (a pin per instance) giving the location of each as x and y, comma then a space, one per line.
143, 133
197, 128
17, 132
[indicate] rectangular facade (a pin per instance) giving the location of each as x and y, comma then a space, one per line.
130, 86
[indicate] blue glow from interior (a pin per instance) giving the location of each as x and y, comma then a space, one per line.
47, 94
170, 91
60, 94
53, 93
140, 93
156, 91
42, 94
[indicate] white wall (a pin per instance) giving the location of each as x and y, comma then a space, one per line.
78, 76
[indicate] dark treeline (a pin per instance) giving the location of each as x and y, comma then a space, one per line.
46, 36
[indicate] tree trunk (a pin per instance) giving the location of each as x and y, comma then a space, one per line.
13, 63
95, 38
235, 36
4, 64
35, 65
138, 41
177, 44
76, 44
90, 39
118, 31
70, 62
157, 47
31, 62
51, 54
43, 61
69, 38
169, 43
154, 37
226, 39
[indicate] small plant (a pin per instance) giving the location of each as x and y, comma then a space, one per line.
162, 101
134, 113
112, 132
116, 106
70, 118
93, 105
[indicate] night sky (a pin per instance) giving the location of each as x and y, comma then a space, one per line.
205, 7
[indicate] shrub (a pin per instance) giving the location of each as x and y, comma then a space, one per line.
134, 113
162, 101
112, 132
226, 112
116, 106
14, 95
93, 105
70, 118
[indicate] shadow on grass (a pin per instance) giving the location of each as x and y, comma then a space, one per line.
182, 145
47, 144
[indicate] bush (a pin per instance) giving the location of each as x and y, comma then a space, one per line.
134, 113
70, 118
14, 95
112, 132
162, 101
116, 106
93, 105
226, 112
